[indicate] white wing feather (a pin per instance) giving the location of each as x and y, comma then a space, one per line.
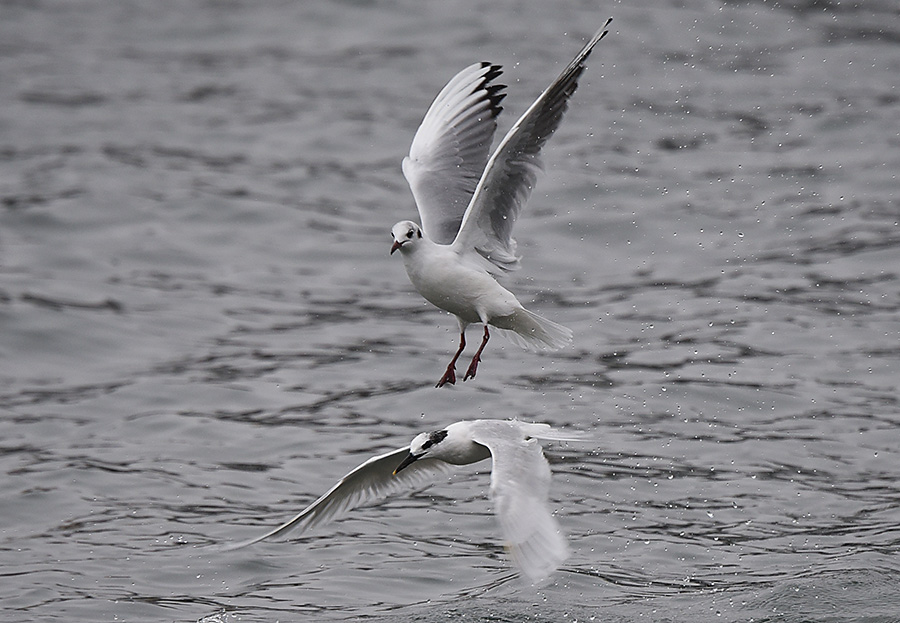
372, 481
520, 485
511, 172
451, 147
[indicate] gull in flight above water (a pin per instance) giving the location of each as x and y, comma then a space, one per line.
468, 203
520, 485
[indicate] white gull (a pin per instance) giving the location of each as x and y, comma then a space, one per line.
468, 203
520, 485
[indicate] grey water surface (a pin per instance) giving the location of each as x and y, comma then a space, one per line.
201, 328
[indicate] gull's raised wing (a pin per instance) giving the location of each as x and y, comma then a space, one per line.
511, 172
451, 147
520, 485
372, 481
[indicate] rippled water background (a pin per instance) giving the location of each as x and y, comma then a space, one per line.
201, 328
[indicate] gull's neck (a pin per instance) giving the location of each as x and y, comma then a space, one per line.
459, 448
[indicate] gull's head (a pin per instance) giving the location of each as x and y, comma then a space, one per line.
405, 234
424, 444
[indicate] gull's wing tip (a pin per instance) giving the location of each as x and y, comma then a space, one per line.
494, 70
277, 532
235, 545
589, 46
600, 34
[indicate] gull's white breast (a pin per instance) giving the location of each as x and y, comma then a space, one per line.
454, 286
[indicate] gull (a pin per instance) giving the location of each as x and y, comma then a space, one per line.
520, 485
468, 204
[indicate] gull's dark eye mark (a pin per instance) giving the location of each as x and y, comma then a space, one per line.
433, 438
409, 234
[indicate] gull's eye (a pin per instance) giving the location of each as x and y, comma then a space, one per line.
410, 233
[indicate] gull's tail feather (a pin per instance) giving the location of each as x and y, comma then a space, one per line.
532, 332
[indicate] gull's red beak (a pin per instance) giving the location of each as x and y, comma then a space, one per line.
397, 244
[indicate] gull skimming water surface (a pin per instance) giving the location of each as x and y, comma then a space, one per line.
520, 485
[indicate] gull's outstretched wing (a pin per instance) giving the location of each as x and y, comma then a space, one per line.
372, 481
451, 147
511, 172
520, 485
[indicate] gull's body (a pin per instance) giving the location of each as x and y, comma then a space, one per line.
520, 485
468, 203
468, 292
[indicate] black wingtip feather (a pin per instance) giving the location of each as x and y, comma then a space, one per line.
495, 70
495, 92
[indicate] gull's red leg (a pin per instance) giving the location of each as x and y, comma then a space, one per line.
473, 367
450, 372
